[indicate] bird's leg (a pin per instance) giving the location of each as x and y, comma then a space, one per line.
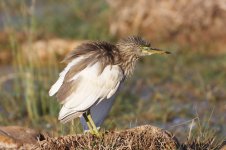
92, 123
88, 123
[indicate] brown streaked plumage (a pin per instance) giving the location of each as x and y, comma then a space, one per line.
94, 73
101, 51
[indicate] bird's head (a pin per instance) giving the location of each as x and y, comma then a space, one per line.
138, 47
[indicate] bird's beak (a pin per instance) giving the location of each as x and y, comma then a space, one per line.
155, 51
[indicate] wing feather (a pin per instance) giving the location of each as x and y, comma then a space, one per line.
93, 88
91, 76
56, 86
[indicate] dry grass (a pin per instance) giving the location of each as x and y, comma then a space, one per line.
194, 21
45, 49
144, 137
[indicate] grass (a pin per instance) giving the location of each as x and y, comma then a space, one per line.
165, 91
28, 97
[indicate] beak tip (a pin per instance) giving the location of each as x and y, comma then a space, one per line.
160, 51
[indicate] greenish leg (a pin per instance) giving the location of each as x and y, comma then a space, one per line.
88, 123
92, 123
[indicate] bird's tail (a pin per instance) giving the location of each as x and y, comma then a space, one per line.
67, 114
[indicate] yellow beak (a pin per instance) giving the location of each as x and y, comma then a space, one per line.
154, 51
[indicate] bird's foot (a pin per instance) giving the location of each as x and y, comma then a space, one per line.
96, 133
93, 132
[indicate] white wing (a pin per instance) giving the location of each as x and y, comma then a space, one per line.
92, 89
55, 87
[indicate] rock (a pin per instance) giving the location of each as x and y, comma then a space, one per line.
15, 137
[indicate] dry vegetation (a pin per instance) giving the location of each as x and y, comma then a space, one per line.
193, 21
145, 137
142, 137
44, 49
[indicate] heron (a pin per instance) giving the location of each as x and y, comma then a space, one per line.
95, 70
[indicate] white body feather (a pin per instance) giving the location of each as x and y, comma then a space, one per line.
92, 89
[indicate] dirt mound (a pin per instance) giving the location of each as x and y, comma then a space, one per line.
144, 137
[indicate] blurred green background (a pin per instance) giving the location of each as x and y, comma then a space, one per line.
183, 93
